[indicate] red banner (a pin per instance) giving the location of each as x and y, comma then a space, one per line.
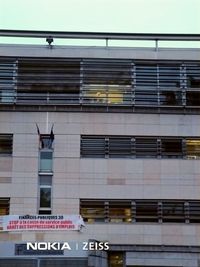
41, 222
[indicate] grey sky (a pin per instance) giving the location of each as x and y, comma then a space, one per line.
164, 16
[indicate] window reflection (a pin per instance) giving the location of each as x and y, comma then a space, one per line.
146, 212
93, 212
116, 259
46, 161
170, 98
6, 144
7, 96
119, 213
4, 206
193, 98
45, 197
111, 94
193, 81
173, 212
146, 97
193, 148
171, 148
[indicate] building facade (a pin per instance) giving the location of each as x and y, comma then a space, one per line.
108, 133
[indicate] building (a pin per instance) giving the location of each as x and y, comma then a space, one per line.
110, 133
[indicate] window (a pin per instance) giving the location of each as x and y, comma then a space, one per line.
7, 83
46, 161
146, 147
4, 206
146, 75
193, 148
194, 212
48, 81
193, 98
120, 147
171, 148
45, 182
102, 82
140, 211
139, 147
45, 172
6, 144
193, 75
169, 75
107, 82
146, 211
116, 259
146, 97
173, 212
170, 98
120, 212
46, 141
114, 147
7, 96
94, 146
111, 95
93, 211
45, 197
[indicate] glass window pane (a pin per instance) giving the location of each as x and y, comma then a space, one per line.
173, 212
46, 161
146, 98
146, 211
146, 147
169, 75
93, 211
193, 148
170, 98
116, 259
4, 206
6, 144
120, 212
120, 147
194, 211
93, 146
45, 180
46, 141
107, 82
6, 96
45, 197
146, 75
193, 76
171, 148
193, 98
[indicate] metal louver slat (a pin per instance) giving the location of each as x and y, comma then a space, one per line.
93, 147
146, 147
48, 81
7, 81
120, 147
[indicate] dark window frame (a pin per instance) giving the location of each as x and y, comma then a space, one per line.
4, 206
164, 211
158, 147
8, 138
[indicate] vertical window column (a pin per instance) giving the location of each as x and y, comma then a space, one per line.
45, 173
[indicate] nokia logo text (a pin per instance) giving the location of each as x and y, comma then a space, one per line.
48, 246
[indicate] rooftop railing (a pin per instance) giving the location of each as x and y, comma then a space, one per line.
50, 36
